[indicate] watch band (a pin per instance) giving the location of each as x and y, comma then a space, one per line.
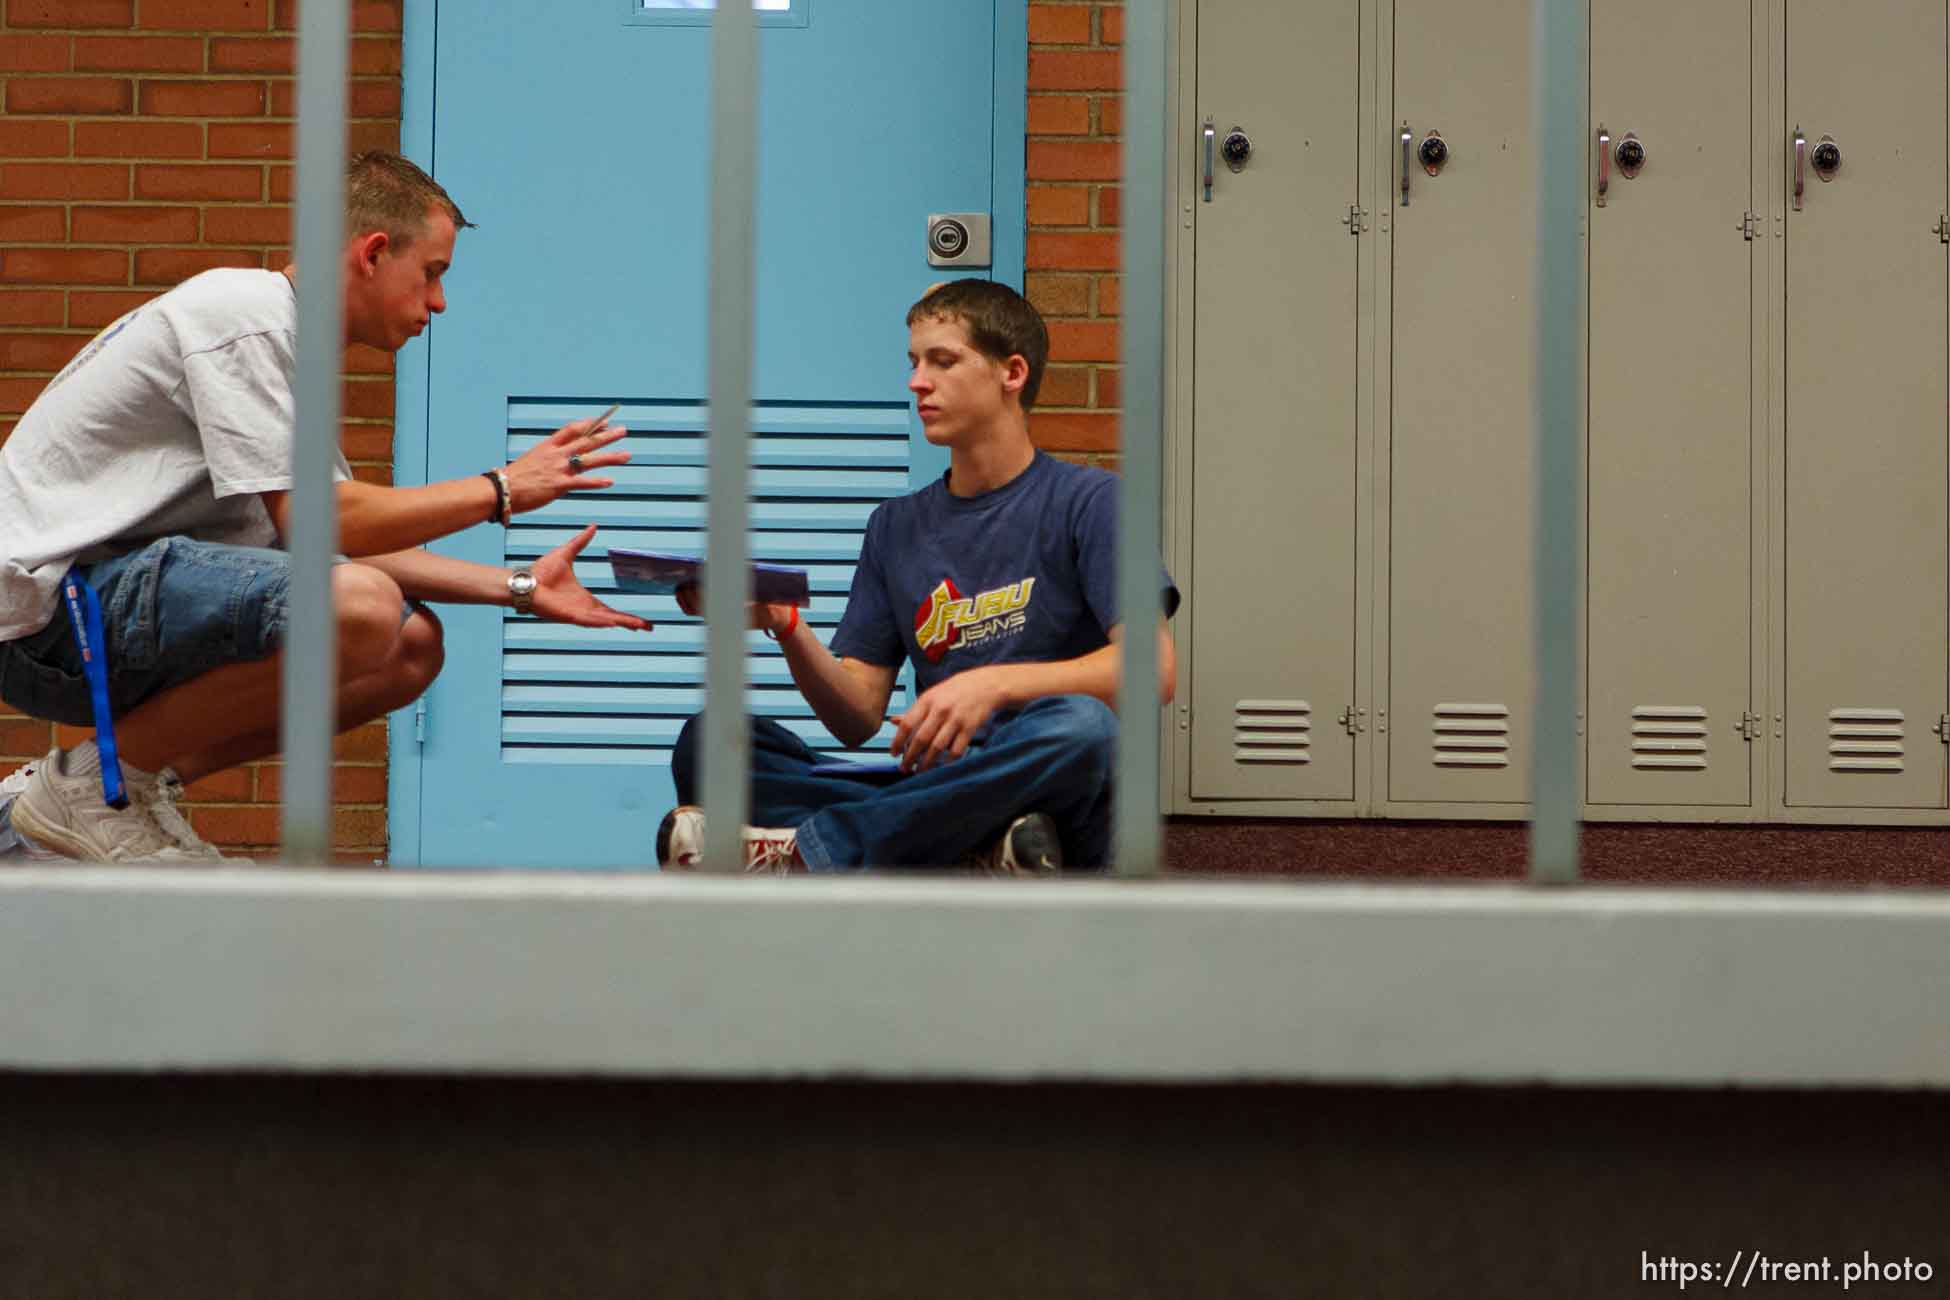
521, 591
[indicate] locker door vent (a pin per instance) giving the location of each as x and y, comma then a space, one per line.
1865, 740
1669, 737
1272, 731
1472, 735
592, 695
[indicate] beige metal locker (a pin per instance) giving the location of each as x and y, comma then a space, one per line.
1460, 429
1273, 510
1865, 559
1670, 451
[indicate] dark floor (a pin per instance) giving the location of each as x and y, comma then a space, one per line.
342, 1188
1616, 854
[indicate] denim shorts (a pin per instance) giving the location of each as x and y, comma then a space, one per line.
171, 612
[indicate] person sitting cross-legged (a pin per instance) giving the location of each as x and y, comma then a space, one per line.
998, 584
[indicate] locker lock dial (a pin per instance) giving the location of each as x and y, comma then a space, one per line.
1433, 153
1827, 158
1236, 148
1631, 156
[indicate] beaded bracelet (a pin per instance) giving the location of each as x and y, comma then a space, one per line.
503, 501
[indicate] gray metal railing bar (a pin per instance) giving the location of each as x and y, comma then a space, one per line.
311, 643
1562, 81
1141, 444
734, 155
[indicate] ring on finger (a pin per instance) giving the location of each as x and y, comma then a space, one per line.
575, 463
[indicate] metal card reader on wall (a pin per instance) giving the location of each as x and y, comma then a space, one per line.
959, 239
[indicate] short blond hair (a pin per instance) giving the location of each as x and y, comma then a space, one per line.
386, 192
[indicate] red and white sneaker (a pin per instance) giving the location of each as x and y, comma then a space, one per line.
769, 851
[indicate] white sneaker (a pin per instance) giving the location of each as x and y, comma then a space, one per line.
15, 847
16, 780
169, 792
768, 851
63, 811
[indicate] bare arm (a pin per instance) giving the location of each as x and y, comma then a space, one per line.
848, 696
559, 596
422, 575
947, 715
375, 520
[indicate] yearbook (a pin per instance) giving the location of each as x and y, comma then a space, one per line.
653, 571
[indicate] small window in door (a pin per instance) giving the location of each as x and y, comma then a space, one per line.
775, 13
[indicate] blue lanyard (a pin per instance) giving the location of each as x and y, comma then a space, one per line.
85, 617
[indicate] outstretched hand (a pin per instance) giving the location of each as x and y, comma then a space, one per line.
561, 598
762, 618
561, 462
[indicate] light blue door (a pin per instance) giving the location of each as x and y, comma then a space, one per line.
576, 134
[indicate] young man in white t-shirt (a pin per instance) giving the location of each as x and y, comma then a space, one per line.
158, 462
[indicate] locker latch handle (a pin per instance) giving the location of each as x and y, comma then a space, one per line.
1211, 132
1800, 165
1604, 163
1408, 160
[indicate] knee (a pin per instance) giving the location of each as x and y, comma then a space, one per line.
683, 759
422, 651
366, 604
1086, 729
1085, 719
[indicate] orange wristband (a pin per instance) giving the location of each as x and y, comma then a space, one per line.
790, 628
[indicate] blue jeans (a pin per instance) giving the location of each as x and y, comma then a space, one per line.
171, 612
1054, 756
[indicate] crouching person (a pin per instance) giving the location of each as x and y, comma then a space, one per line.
158, 464
998, 584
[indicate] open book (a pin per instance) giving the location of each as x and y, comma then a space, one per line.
654, 571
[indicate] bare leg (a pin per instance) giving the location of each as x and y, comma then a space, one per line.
216, 710
403, 678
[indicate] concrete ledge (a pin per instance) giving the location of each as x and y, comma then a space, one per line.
970, 979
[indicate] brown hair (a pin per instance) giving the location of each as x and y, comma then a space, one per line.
1000, 323
384, 191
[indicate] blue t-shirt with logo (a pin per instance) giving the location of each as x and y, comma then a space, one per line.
1026, 573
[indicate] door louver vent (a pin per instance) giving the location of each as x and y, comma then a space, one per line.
1669, 737
1865, 740
1272, 731
590, 695
1472, 735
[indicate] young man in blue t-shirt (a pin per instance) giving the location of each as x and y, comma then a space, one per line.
998, 583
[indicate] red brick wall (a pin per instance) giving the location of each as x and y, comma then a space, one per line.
142, 141
1075, 118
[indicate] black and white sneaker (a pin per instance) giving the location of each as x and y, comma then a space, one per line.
1030, 847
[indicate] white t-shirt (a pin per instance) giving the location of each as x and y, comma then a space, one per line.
168, 424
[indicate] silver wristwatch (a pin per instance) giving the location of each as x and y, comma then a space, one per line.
521, 590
